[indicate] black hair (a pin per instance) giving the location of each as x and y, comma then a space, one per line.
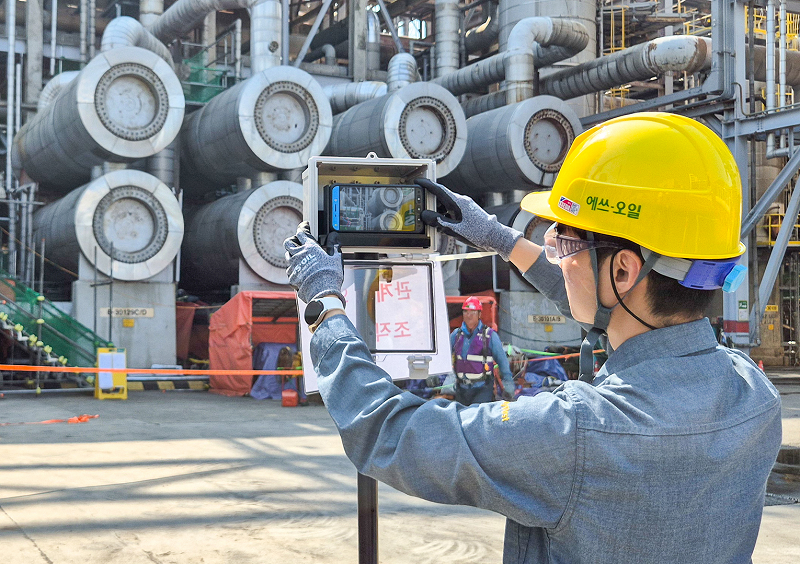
666, 297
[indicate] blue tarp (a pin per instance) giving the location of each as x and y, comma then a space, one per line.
543, 376
268, 386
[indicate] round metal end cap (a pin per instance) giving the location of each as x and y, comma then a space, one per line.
135, 218
430, 124
270, 215
285, 117
130, 101
541, 133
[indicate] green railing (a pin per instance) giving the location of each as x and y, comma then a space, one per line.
204, 83
67, 337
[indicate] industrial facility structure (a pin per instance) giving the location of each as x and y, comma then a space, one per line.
155, 147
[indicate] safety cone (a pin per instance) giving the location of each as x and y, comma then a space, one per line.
761, 365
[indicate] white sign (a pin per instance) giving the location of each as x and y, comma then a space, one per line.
128, 312
105, 380
547, 319
403, 323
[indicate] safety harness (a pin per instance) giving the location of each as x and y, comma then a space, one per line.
487, 372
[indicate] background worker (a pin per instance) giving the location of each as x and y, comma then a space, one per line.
476, 350
664, 454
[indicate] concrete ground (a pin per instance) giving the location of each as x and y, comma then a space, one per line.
191, 477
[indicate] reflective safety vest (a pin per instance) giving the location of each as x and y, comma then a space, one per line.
479, 364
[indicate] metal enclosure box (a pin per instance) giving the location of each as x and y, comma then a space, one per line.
323, 171
396, 294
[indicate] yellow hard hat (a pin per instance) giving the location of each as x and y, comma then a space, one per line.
661, 180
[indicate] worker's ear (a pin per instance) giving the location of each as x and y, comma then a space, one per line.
625, 269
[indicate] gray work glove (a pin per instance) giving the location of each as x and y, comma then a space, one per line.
468, 222
313, 271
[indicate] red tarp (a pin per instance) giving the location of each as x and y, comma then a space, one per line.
233, 332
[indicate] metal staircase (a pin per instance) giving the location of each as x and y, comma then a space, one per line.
47, 334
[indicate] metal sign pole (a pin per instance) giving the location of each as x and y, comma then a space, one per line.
367, 520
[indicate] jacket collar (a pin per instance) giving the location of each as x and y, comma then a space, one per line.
684, 339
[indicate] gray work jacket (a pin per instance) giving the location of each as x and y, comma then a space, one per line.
663, 458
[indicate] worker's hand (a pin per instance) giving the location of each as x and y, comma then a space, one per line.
468, 222
312, 271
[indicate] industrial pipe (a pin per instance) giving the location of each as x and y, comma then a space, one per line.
519, 146
481, 37
685, 53
344, 96
419, 121
126, 31
53, 31
276, 119
373, 41
516, 64
93, 120
149, 11
248, 226
447, 36
84, 22
127, 210
92, 37
265, 25
402, 71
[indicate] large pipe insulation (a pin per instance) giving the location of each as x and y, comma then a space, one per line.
53, 88
149, 11
448, 20
518, 146
126, 104
483, 36
685, 53
419, 121
516, 64
250, 226
265, 25
126, 31
274, 120
401, 72
128, 209
373, 41
344, 96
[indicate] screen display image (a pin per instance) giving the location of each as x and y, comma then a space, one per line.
362, 208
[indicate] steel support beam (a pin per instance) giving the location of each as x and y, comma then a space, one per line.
777, 254
307, 43
772, 193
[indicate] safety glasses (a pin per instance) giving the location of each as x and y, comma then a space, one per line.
558, 247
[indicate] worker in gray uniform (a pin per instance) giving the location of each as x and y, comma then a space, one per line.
663, 454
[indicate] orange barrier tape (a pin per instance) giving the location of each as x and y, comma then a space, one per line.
78, 419
165, 371
538, 359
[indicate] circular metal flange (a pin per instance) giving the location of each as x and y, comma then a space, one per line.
540, 133
131, 103
424, 120
427, 129
138, 214
130, 222
285, 118
269, 215
548, 136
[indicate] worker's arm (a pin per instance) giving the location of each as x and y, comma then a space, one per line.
500, 358
484, 455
